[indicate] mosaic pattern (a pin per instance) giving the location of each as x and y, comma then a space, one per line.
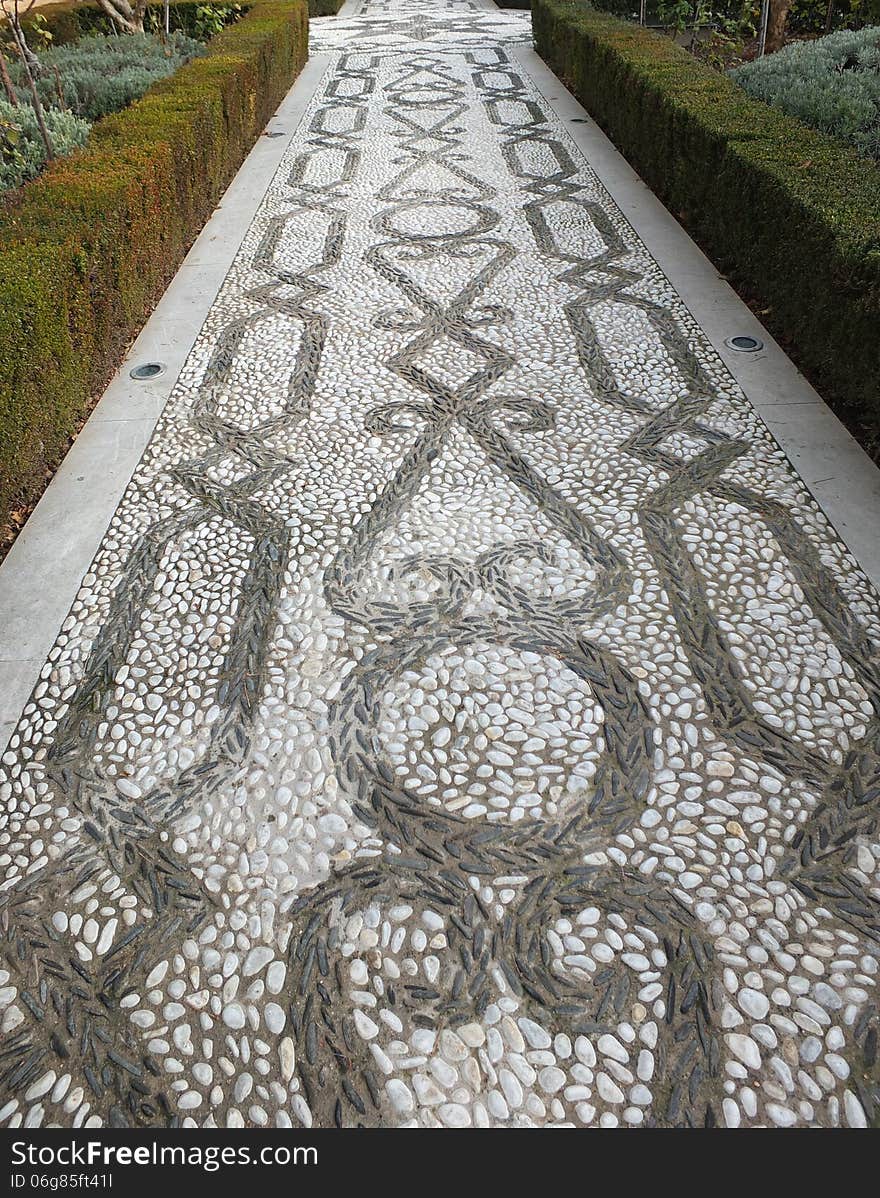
404, 24
469, 718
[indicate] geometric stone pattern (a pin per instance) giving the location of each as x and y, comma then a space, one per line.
469, 717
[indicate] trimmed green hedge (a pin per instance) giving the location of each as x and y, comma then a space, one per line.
789, 214
87, 249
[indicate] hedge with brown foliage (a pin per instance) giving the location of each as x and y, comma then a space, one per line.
87, 249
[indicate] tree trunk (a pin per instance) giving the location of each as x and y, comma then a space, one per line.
35, 101
777, 24
25, 53
7, 83
694, 26
59, 90
129, 16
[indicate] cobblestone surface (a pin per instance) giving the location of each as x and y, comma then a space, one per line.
469, 717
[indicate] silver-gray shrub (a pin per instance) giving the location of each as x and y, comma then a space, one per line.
103, 73
22, 151
831, 84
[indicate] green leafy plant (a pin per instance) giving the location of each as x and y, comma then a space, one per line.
211, 18
719, 49
713, 34
675, 15
39, 32
724, 35
820, 16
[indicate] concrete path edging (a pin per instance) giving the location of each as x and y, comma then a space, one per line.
42, 572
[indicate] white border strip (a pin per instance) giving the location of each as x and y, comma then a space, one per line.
43, 570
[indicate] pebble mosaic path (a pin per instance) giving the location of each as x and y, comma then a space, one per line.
469, 718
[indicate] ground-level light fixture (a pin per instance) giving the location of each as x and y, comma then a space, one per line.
744, 343
147, 370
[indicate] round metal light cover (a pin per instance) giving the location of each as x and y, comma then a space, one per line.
147, 370
744, 343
